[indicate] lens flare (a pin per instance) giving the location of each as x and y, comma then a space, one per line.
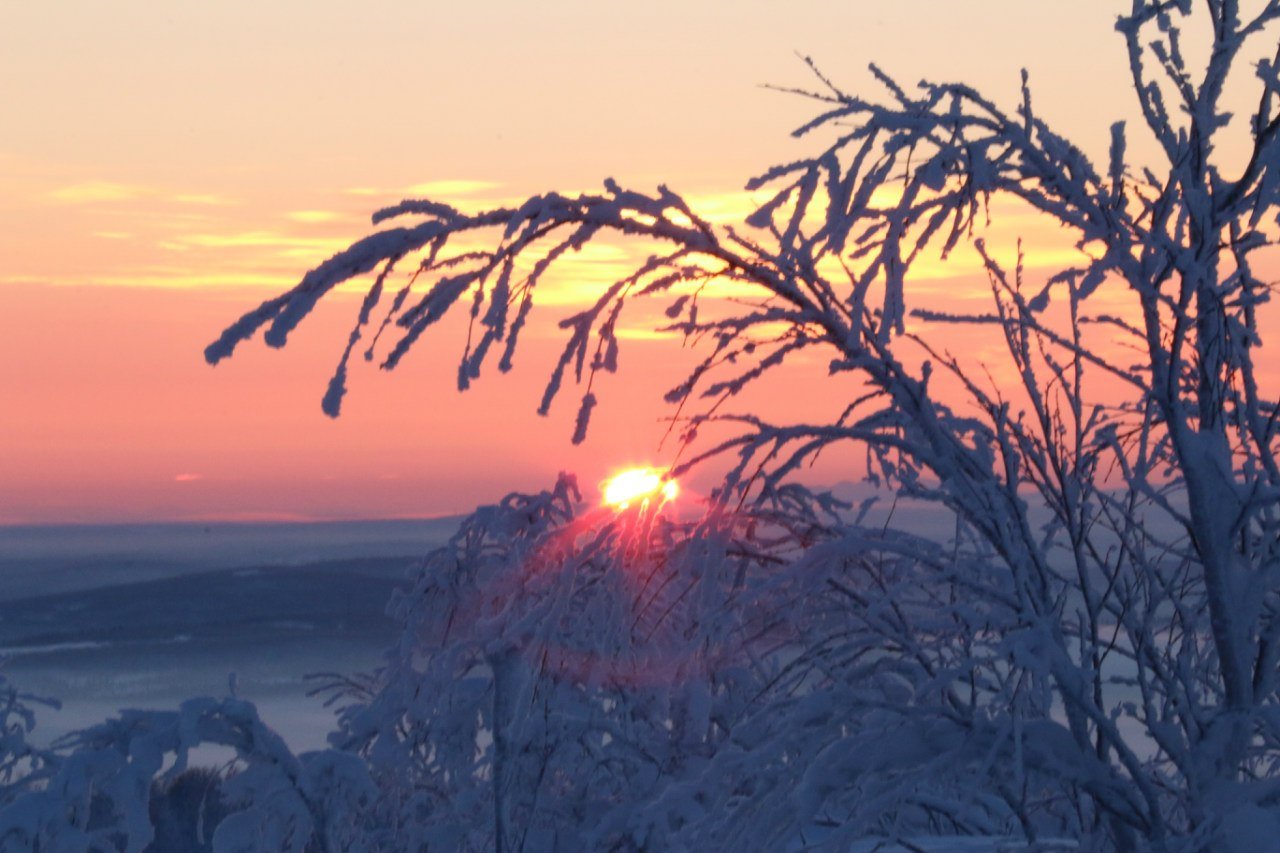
639, 484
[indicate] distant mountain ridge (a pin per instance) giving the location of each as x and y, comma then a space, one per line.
46, 560
340, 598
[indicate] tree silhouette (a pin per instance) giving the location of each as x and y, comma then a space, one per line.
1094, 653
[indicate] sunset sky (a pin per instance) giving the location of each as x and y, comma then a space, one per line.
164, 167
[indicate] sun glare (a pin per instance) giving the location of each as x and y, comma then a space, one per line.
638, 484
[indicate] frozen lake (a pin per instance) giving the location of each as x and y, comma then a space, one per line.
144, 616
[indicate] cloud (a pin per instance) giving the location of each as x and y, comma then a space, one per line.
93, 191
176, 278
203, 198
262, 239
447, 188
645, 333
314, 217
435, 189
187, 478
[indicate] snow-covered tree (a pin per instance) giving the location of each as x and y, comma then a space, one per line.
1095, 652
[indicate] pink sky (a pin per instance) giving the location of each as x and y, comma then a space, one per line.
165, 167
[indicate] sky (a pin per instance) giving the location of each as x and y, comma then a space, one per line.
166, 166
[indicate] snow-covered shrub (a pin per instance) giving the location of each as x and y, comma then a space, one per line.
752, 679
1094, 652
573, 678
102, 790
22, 765
559, 670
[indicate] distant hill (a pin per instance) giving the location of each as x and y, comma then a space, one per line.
43, 560
335, 599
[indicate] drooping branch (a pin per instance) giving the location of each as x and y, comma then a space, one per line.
1136, 525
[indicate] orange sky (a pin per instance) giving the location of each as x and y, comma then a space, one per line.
165, 167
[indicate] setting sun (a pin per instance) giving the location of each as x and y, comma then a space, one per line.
638, 484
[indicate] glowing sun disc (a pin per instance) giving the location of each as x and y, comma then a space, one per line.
638, 484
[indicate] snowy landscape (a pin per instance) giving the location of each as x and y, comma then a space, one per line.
119, 616
1039, 611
